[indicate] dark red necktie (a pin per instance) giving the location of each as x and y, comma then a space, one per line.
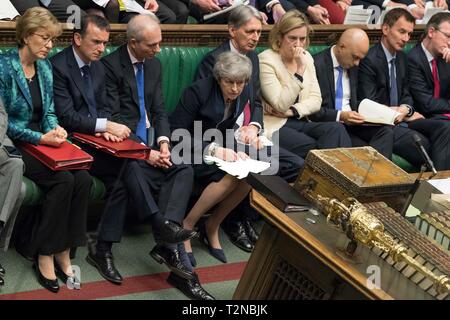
437, 85
247, 114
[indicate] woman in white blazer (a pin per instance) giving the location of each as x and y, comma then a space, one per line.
291, 92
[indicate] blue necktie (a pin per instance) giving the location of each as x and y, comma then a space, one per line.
393, 97
339, 89
141, 130
89, 90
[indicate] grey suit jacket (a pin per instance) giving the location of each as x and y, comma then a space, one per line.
4, 140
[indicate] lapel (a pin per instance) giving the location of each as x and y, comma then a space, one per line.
128, 72
426, 65
330, 77
399, 74
19, 77
75, 73
147, 80
43, 85
353, 75
382, 62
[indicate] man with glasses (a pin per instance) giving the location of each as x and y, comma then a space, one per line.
134, 91
429, 69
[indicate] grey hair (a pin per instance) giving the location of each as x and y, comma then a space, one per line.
139, 23
241, 15
233, 66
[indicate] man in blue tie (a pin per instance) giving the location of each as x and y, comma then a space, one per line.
337, 73
82, 106
133, 85
383, 78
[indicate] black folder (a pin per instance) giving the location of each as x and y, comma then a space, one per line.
278, 192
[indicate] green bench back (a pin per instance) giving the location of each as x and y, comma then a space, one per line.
180, 66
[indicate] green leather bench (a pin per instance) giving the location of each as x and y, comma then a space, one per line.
179, 68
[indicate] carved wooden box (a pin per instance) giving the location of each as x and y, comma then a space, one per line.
362, 173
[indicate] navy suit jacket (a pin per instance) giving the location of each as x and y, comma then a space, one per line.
71, 102
325, 75
122, 93
203, 101
205, 69
422, 85
373, 77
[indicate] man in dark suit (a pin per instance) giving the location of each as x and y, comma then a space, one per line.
133, 85
383, 78
429, 69
81, 105
337, 73
244, 26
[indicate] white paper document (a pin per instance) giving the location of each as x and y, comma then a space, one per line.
430, 10
240, 168
101, 3
236, 3
443, 185
357, 15
375, 112
8, 11
133, 6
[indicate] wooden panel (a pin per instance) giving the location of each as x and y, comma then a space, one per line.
191, 35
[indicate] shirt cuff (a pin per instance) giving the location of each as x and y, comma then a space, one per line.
256, 124
412, 6
338, 117
270, 4
162, 138
100, 125
385, 2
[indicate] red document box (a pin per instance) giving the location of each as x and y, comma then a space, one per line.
65, 157
125, 149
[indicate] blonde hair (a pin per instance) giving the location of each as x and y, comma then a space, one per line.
291, 20
33, 19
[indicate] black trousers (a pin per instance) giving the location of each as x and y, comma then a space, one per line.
405, 147
381, 138
61, 224
438, 134
111, 171
57, 7
298, 136
173, 187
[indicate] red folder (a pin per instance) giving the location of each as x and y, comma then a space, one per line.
65, 157
125, 149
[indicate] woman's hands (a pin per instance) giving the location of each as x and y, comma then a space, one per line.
54, 137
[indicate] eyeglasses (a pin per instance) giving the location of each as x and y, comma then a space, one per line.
46, 39
445, 34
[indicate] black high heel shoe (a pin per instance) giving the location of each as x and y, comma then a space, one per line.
49, 284
71, 282
219, 254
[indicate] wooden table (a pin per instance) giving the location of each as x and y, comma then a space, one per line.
297, 259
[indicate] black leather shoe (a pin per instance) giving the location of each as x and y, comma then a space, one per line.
49, 284
191, 288
2, 270
71, 282
171, 258
251, 232
2, 282
105, 265
237, 235
170, 232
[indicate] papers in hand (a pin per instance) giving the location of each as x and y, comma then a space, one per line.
235, 4
430, 10
134, 6
262, 139
375, 112
240, 168
8, 11
357, 15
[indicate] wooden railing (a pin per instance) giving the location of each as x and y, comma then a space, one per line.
196, 35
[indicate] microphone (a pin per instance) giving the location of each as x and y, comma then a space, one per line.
424, 154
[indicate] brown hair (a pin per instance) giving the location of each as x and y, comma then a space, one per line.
393, 15
33, 19
291, 20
